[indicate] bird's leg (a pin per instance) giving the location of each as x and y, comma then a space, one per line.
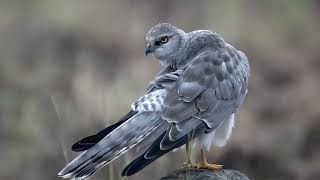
188, 150
205, 165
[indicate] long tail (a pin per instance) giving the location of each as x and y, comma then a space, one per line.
119, 141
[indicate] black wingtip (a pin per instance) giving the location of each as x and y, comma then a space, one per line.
78, 146
86, 143
152, 154
155, 151
135, 166
141, 162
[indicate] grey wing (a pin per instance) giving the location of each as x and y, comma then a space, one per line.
210, 89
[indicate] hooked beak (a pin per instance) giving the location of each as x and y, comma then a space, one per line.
149, 49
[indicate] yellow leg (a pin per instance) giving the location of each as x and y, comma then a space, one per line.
205, 165
188, 150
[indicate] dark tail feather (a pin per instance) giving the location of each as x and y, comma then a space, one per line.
154, 151
119, 141
87, 142
141, 162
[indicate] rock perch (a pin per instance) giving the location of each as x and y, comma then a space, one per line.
203, 174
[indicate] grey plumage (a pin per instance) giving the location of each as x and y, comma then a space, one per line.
203, 82
113, 145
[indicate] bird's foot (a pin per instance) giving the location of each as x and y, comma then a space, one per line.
208, 166
205, 165
189, 164
213, 167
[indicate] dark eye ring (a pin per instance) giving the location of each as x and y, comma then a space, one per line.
164, 39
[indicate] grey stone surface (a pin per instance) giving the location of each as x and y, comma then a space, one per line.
203, 174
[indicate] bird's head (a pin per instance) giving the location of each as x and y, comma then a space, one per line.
164, 41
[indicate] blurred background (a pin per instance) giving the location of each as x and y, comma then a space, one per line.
68, 68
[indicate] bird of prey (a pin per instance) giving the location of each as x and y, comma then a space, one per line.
193, 98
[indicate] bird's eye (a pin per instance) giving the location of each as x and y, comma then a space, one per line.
164, 39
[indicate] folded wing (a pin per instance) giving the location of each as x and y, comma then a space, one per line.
210, 89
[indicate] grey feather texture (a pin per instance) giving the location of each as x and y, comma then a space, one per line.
203, 82
113, 145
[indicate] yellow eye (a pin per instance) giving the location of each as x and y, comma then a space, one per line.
164, 39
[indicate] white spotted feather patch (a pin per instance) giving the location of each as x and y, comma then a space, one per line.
150, 102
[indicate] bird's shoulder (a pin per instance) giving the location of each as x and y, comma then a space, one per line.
199, 33
226, 56
205, 38
198, 42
